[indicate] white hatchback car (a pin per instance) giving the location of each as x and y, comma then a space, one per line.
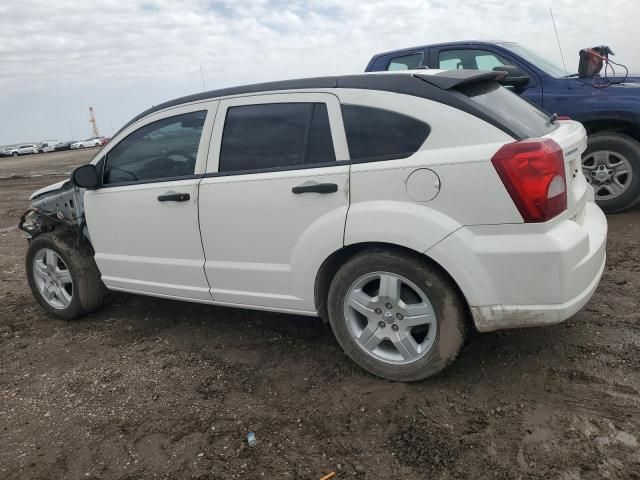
402, 207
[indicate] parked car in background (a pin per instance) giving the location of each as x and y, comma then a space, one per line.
88, 143
24, 149
48, 146
61, 146
403, 208
610, 115
104, 140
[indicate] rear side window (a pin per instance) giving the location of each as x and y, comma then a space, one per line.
276, 135
406, 62
510, 109
377, 134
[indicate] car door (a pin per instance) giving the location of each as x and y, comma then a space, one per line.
143, 219
453, 58
273, 203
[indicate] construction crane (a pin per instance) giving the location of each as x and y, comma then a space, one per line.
92, 121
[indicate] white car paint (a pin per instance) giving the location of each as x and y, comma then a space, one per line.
262, 248
47, 189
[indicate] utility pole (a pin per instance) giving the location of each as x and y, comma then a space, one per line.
92, 121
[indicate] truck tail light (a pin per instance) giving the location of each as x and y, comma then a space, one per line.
533, 173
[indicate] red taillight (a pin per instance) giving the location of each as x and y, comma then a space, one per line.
563, 117
533, 173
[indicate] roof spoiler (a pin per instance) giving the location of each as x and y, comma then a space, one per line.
457, 78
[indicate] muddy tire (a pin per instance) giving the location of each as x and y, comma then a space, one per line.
64, 278
611, 165
397, 315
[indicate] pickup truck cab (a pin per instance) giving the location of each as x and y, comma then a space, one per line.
403, 208
610, 115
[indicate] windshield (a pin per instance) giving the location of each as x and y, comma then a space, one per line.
539, 61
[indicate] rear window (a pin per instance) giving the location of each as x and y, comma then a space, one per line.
377, 134
510, 109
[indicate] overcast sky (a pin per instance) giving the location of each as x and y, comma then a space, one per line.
122, 56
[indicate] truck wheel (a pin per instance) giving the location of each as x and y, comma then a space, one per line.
65, 280
396, 315
611, 164
14, 154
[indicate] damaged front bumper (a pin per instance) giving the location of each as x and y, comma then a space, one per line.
50, 210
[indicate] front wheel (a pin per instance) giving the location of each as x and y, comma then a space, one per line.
611, 164
65, 280
396, 315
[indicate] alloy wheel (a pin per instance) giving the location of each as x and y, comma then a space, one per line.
390, 318
52, 278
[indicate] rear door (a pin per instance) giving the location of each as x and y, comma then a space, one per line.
273, 204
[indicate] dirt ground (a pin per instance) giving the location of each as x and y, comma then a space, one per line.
150, 388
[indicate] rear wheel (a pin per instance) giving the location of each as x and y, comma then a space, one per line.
64, 279
611, 164
396, 315
14, 154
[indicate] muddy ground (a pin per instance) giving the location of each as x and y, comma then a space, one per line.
150, 388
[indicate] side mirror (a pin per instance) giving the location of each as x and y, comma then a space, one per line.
515, 77
85, 176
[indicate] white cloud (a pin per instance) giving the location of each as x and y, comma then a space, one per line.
57, 59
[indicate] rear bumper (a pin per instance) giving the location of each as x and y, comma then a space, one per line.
527, 275
497, 317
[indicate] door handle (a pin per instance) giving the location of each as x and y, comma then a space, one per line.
174, 197
316, 188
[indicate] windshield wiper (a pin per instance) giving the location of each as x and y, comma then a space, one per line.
571, 75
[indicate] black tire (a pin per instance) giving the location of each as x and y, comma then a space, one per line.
447, 303
14, 154
628, 148
88, 290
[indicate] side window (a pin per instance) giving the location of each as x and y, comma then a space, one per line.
470, 59
376, 134
164, 149
275, 135
407, 62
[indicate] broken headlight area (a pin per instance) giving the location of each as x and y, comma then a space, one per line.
34, 222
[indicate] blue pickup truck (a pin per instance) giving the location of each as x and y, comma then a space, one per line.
611, 115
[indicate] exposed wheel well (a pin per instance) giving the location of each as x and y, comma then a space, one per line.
615, 126
332, 264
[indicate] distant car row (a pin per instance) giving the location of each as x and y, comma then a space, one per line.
52, 146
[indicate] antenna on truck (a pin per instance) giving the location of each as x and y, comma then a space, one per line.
566, 74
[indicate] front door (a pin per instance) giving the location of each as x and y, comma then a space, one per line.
274, 202
143, 220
